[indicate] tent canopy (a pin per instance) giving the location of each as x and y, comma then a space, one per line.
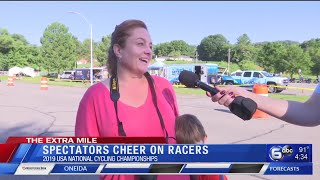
27, 71
14, 70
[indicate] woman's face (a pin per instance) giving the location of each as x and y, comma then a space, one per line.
137, 53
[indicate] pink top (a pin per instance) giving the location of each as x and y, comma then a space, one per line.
96, 117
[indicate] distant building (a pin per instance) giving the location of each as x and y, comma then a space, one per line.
161, 58
183, 58
82, 61
86, 61
178, 58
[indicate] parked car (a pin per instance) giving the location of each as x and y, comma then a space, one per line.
262, 77
67, 75
52, 75
84, 73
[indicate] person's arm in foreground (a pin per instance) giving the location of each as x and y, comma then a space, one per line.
303, 114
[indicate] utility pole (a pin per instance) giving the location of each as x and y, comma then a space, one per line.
197, 56
228, 61
91, 44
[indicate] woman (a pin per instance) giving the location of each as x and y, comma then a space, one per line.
141, 112
302, 114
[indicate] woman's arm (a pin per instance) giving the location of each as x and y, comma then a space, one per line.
303, 114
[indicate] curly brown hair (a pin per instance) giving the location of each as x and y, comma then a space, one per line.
119, 36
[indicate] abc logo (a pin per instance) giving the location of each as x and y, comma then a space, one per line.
277, 153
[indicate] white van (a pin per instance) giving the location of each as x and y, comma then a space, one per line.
67, 75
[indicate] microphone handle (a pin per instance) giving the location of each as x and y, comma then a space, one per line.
242, 107
206, 87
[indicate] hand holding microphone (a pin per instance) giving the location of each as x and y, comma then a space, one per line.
240, 106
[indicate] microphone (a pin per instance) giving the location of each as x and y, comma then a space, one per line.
242, 107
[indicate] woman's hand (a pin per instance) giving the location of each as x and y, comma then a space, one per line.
227, 94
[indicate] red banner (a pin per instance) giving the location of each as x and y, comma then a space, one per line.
87, 140
7, 151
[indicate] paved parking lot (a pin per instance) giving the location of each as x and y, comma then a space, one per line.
25, 110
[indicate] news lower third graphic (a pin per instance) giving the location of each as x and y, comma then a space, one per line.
51, 157
289, 153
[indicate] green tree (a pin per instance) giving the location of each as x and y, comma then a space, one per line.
34, 57
180, 46
247, 65
3, 62
314, 54
14, 49
289, 42
297, 59
174, 48
270, 55
6, 44
18, 56
21, 38
312, 47
86, 49
6, 41
213, 48
191, 51
174, 54
58, 47
244, 50
101, 51
163, 49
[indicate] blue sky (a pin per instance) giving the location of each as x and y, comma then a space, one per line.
167, 21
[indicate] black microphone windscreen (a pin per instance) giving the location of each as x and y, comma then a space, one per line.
188, 78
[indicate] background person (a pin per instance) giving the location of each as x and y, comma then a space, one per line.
189, 130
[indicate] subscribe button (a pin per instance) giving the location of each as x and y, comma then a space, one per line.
289, 168
74, 168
